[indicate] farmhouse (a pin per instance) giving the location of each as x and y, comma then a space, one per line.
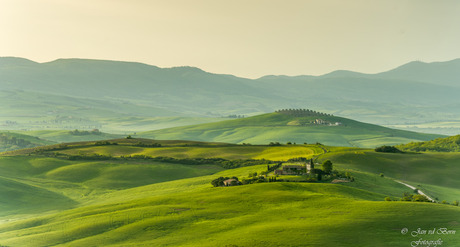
324, 122
320, 121
298, 169
230, 182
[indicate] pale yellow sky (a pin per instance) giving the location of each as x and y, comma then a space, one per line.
248, 38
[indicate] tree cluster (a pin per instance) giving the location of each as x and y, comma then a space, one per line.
104, 143
254, 178
298, 159
6, 141
302, 113
414, 198
273, 167
235, 116
88, 157
388, 149
449, 144
84, 132
228, 164
141, 144
327, 167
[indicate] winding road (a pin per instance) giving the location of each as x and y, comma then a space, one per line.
418, 191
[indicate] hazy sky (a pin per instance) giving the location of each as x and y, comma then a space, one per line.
247, 38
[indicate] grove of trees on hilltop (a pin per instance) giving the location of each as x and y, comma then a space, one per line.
387, 149
8, 143
449, 144
302, 113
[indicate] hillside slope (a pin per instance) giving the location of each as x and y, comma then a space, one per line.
273, 214
115, 202
447, 144
288, 127
12, 141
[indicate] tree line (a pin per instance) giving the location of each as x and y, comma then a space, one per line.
224, 163
85, 132
302, 113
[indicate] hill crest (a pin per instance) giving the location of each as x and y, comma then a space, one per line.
295, 126
447, 144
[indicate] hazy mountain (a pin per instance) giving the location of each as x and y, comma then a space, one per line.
415, 92
185, 89
439, 73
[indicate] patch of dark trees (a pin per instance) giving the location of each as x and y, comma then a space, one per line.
274, 167
46, 149
388, 149
224, 163
408, 197
13, 141
298, 159
235, 116
104, 143
450, 144
4, 139
141, 144
85, 132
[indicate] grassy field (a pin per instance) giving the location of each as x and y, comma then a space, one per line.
125, 202
273, 127
51, 182
272, 214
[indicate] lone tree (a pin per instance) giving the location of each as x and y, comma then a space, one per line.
327, 166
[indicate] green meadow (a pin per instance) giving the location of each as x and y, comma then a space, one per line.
49, 200
431, 172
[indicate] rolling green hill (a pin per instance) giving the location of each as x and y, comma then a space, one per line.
448, 144
133, 202
285, 127
71, 135
12, 141
429, 171
260, 215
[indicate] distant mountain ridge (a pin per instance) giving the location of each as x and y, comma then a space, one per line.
405, 94
441, 73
